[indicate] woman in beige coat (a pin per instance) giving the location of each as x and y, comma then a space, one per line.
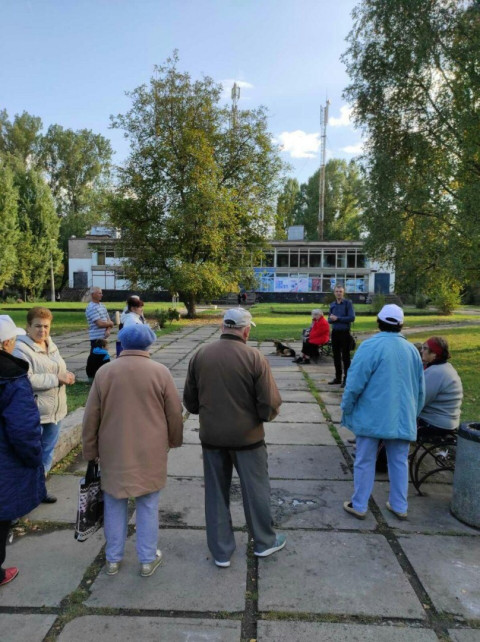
132, 417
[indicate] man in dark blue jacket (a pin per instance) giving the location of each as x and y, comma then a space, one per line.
340, 317
23, 478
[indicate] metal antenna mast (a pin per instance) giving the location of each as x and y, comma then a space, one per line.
235, 98
321, 181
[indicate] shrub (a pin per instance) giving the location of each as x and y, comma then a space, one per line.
173, 314
161, 316
447, 297
377, 304
421, 301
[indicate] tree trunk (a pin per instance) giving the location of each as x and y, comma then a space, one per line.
190, 303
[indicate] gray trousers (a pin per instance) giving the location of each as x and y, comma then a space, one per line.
252, 468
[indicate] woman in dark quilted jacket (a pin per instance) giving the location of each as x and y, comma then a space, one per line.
23, 478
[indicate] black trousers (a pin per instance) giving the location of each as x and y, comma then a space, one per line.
310, 350
4, 529
341, 352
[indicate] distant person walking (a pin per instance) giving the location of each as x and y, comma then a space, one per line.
383, 397
49, 377
132, 417
23, 478
341, 315
231, 386
99, 322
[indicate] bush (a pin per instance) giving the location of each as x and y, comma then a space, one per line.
161, 316
447, 297
173, 314
421, 301
377, 304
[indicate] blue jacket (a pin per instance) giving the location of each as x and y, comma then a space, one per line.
345, 313
385, 389
22, 485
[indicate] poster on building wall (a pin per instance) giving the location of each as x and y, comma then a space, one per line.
265, 280
291, 284
316, 285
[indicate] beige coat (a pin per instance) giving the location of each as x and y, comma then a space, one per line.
44, 366
133, 415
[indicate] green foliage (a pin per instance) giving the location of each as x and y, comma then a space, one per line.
343, 190
19, 139
421, 301
173, 314
416, 88
447, 297
377, 304
9, 232
197, 191
285, 208
38, 226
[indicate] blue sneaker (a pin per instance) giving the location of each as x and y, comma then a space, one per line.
280, 542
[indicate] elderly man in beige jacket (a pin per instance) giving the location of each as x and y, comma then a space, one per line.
132, 417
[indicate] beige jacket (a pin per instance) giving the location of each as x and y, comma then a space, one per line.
230, 385
44, 366
132, 417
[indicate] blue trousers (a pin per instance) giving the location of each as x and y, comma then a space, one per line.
116, 522
364, 472
50, 434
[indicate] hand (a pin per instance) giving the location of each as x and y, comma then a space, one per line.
67, 378
107, 333
333, 317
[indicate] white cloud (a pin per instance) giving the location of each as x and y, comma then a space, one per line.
344, 120
353, 149
228, 84
299, 144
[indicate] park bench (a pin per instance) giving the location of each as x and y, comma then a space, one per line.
432, 454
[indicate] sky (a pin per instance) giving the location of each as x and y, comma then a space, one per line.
71, 62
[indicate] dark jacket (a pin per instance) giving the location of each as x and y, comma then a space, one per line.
22, 485
97, 358
230, 385
345, 313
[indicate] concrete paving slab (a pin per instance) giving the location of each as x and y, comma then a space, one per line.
465, 635
104, 628
307, 462
334, 412
291, 384
290, 433
310, 631
331, 398
185, 461
448, 568
316, 505
425, 514
51, 566
345, 434
188, 578
19, 627
65, 488
300, 413
298, 396
345, 573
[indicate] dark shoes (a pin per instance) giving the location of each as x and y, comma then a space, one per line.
333, 382
343, 383
298, 360
49, 499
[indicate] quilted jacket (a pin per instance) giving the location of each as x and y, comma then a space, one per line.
44, 367
22, 485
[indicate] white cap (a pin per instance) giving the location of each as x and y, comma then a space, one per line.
237, 318
8, 329
391, 314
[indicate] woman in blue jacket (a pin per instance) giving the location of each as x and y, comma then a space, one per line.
384, 395
23, 479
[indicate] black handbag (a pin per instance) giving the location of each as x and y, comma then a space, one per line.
90, 504
352, 342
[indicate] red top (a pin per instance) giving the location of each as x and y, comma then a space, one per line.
319, 332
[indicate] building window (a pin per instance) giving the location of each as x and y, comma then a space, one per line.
303, 259
268, 260
282, 258
361, 261
341, 259
293, 258
351, 263
314, 259
101, 257
80, 279
110, 252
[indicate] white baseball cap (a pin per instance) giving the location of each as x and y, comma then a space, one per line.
391, 314
8, 329
237, 318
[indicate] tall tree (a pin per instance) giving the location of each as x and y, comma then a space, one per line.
38, 223
343, 190
8, 225
20, 139
415, 88
197, 194
77, 166
285, 213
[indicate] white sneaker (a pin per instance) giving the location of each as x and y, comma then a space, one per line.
150, 568
222, 564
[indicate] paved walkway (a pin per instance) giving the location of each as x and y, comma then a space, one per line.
337, 579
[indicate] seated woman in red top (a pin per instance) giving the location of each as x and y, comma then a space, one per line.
317, 335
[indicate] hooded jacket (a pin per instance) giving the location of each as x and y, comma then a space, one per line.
23, 478
44, 366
